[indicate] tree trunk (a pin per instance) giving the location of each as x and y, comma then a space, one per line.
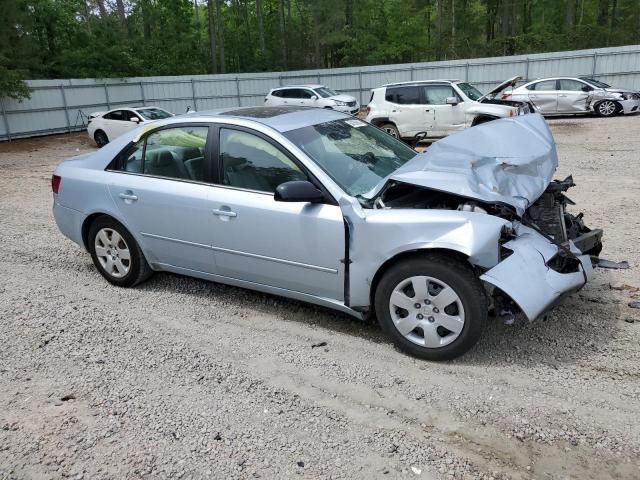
260, 26
283, 39
439, 29
603, 13
122, 15
220, 29
101, 8
614, 9
570, 14
453, 28
212, 36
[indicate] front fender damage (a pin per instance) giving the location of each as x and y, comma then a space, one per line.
527, 275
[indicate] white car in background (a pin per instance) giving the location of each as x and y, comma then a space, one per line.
437, 107
569, 95
103, 127
319, 96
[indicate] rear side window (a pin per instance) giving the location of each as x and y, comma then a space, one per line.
403, 95
118, 115
277, 93
170, 152
545, 85
571, 85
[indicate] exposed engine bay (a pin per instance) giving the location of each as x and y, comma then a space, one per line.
547, 215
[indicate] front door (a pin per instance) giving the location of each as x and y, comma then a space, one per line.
544, 95
572, 97
447, 117
294, 246
159, 186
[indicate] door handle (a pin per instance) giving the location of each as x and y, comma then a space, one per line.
427, 110
128, 196
224, 213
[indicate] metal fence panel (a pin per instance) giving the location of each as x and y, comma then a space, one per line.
62, 105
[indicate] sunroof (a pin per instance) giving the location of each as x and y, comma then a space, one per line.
263, 112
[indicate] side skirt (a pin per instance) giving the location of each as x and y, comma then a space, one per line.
282, 292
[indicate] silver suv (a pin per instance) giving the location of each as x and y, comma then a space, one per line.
437, 107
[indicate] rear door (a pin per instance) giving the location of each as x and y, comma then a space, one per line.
161, 186
544, 95
447, 117
408, 111
573, 96
294, 246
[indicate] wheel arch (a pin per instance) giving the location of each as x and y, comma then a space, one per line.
92, 217
379, 121
407, 254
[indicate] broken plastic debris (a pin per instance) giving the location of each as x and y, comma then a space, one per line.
604, 263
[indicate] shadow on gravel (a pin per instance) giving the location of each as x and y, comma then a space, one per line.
238, 299
579, 327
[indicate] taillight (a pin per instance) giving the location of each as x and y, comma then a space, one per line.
55, 183
505, 96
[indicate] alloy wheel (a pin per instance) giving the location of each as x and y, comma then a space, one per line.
112, 252
427, 311
391, 131
607, 108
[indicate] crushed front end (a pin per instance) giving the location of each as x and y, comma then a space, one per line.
546, 255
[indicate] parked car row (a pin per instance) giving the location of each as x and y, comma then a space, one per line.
418, 109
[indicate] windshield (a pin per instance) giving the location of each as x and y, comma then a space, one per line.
595, 83
326, 92
154, 113
354, 154
470, 91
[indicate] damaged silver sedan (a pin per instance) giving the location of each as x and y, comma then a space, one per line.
322, 207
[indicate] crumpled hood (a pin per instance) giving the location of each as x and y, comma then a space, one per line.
504, 161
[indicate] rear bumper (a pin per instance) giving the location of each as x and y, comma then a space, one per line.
528, 280
69, 221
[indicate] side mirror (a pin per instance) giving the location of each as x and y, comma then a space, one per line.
314, 97
134, 119
587, 88
452, 101
298, 191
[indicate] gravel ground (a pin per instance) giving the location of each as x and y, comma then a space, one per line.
183, 378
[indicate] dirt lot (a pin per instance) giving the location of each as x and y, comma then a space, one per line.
182, 378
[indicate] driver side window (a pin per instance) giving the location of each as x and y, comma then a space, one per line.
252, 163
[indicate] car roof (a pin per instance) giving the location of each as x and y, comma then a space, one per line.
420, 82
310, 85
282, 118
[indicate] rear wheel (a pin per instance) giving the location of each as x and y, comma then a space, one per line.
101, 138
433, 307
607, 108
391, 129
116, 254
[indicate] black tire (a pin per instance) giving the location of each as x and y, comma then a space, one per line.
101, 138
391, 129
607, 108
138, 268
456, 274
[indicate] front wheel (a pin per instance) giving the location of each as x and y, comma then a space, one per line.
433, 307
116, 254
607, 108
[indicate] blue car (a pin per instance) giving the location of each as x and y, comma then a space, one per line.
319, 206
